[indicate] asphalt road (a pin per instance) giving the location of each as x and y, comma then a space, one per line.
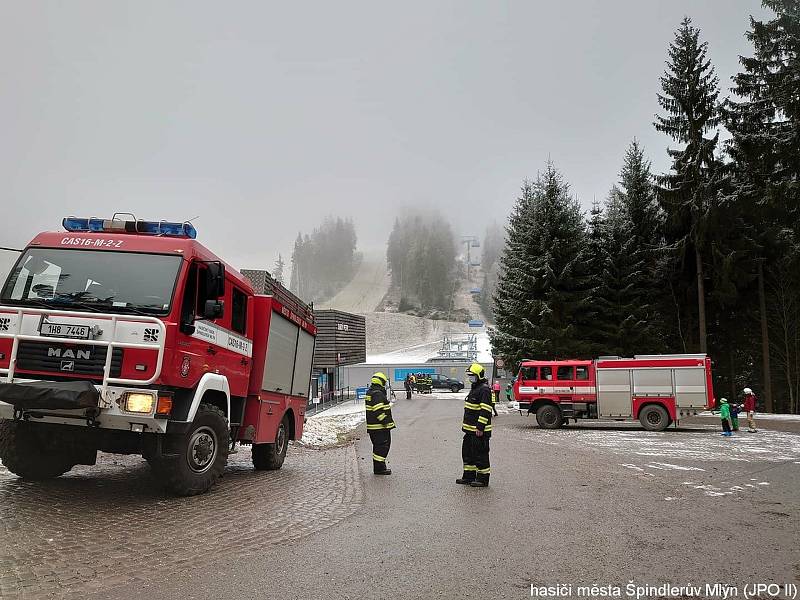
602, 504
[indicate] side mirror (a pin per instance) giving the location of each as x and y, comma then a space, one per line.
214, 309
215, 280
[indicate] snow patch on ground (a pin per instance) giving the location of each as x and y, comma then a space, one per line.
717, 491
660, 465
692, 446
759, 416
333, 426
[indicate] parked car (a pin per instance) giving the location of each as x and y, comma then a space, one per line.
440, 382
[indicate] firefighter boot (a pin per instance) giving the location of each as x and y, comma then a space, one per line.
467, 478
379, 467
480, 481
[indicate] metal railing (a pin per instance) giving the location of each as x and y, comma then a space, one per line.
13, 329
332, 398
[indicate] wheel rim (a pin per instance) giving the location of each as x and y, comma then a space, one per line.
202, 450
280, 439
653, 417
550, 416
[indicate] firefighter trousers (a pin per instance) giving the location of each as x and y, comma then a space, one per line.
475, 454
381, 441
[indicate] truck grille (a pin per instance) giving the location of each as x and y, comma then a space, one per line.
67, 359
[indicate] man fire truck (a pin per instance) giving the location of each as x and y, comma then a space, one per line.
131, 337
657, 390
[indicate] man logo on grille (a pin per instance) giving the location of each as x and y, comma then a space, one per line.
68, 365
151, 335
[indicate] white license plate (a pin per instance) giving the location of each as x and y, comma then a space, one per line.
62, 330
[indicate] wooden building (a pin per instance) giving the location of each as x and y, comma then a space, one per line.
341, 341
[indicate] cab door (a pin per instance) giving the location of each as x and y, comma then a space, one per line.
527, 381
565, 383
214, 346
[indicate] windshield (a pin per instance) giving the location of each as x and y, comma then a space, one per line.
93, 280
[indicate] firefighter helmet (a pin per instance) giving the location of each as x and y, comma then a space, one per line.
380, 379
748, 391
477, 370
723, 400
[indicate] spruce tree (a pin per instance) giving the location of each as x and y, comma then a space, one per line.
637, 194
277, 271
688, 194
541, 302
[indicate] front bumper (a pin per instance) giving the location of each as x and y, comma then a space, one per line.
105, 417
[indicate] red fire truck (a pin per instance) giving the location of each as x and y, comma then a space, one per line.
131, 337
657, 390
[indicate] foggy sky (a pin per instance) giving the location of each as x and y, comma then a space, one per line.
260, 118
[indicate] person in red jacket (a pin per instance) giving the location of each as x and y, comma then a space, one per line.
750, 409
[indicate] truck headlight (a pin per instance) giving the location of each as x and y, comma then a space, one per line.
138, 402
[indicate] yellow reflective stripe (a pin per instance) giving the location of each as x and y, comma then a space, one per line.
472, 406
485, 471
483, 420
390, 424
486, 406
470, 468
488, 428
378, 406
381, 416
376, 426
468, 427
378, 457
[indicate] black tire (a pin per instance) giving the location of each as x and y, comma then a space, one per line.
270, 457
548, 416
202, 454
30, 455
654, 417
455, 389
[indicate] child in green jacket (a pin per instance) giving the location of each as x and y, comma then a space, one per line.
725, 417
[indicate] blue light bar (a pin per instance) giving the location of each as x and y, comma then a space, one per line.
186, 230
76, 224
159, 228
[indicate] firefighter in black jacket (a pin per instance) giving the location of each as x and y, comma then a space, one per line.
477, 428
379, 423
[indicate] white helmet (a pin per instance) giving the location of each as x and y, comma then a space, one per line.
748, 391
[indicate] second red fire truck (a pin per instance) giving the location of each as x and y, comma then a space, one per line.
656, 390
131, 337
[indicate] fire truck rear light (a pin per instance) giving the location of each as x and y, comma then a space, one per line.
164, 406
164, 228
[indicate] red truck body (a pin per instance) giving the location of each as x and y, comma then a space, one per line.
137, 314
657, 390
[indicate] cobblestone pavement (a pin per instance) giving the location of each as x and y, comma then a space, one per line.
100, 527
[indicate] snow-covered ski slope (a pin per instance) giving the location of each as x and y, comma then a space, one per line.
367, 288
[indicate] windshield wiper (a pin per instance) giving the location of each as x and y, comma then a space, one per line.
10, 302
72, 302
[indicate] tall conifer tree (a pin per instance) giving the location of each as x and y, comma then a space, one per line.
689, 192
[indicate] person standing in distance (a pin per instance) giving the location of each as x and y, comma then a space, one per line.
750, 409
477, 428
379, 423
